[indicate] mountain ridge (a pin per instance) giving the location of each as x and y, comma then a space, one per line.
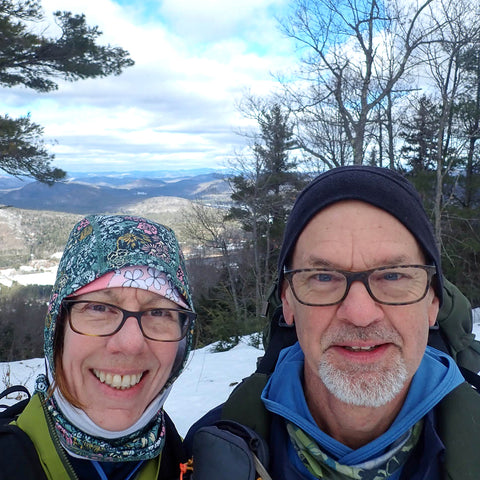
109, 191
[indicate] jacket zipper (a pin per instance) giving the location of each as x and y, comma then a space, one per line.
58, 447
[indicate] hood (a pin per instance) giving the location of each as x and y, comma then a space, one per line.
99, 244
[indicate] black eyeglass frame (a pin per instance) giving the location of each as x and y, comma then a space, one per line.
359, 277
67, 303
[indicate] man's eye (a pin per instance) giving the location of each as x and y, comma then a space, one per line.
391, 276
323, 277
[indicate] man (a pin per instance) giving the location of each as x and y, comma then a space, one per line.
361, 395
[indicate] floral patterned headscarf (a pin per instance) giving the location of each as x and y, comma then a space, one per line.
100, 244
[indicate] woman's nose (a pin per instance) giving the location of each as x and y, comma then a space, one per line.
129, 339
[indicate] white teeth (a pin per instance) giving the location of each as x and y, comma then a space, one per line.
361, 349
117, 381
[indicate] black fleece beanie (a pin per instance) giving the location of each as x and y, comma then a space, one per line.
380, 187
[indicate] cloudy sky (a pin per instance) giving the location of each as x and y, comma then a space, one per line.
176, 108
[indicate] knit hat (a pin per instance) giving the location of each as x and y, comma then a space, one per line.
377, 186
108, 244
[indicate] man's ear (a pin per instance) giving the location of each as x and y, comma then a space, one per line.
287, 303
433, 309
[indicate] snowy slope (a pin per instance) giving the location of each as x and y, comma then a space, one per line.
206, 381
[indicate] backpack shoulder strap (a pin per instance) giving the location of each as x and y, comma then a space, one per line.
15, 389
173, 453
13, 411
20, 459
471, 377
9, 412
458, 423
455, 325
245, 406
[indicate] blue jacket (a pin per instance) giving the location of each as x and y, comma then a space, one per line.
436, 376
448, 447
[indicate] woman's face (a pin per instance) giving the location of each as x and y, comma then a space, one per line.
115, 378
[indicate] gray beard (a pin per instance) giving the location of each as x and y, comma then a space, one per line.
363, 386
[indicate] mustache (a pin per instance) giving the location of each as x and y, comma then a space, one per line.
352, 333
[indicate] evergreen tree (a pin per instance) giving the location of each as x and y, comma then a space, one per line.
263, 194
31, 59
468, 107
420, 135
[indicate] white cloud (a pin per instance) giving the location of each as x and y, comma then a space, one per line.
217, 20
193, 61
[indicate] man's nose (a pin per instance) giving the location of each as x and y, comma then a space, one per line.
358, 307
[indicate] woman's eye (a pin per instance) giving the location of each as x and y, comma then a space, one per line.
159, 312
95, 307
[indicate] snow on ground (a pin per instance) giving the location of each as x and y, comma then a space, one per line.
207, 380
476, 320
29, 275
476, 330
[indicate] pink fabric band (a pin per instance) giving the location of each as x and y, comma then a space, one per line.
146, 278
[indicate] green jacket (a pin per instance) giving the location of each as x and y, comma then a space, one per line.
53, 458
457, 423
456, 323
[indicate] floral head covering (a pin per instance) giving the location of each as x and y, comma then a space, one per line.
100, 244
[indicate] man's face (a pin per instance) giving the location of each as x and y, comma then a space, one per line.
359, 351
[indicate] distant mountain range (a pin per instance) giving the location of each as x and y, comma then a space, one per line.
108, 191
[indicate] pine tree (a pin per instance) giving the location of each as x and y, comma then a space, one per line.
29, 58
420, 136
263, 194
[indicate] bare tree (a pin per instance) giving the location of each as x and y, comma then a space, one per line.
353, 55
208, 227
460, 28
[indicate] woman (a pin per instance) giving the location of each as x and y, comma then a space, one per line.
118, 332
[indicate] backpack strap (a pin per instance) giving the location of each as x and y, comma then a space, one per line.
471, 377
458, 425
14, 389
13, 411
245, 406
22, 458
278, 336
455, 324
173, 453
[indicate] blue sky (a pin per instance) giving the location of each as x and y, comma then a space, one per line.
176, 107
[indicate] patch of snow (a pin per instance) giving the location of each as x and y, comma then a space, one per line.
206, 382
28, 275
476, 316
476, 323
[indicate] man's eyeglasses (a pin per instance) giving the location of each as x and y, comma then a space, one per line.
396, 285
98, 319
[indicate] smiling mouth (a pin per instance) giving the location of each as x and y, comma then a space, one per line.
120, 382
361, 349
